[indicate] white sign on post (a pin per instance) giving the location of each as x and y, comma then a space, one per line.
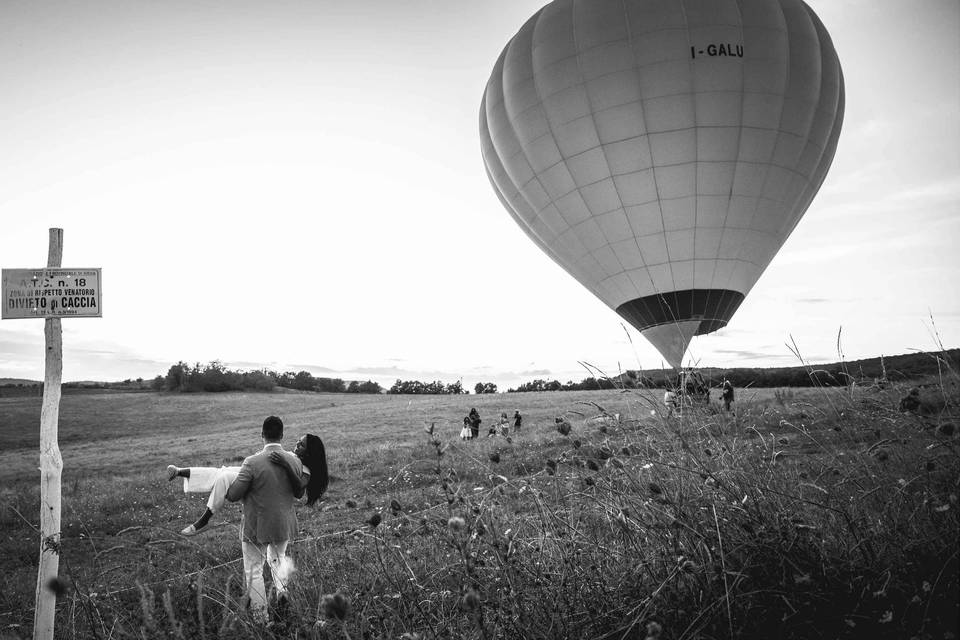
51, 293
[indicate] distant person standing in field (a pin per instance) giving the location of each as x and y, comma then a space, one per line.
517, 421
475, 422
503, 425
726, 394
672, 401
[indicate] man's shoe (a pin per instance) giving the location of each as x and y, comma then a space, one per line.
283, 606
189, 531
279, 623
172, 472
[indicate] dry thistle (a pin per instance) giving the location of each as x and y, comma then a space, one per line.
374, 521
563, 426
495, 457
654, 488
456, 523
146, 609
57, 585
471, 599
334, 606
653, 630
395, 507
175, 624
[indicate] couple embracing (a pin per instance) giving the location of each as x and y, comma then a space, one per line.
268, 485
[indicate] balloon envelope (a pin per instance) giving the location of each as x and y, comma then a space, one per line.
661, 151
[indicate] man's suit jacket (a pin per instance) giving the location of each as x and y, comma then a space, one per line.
268, 514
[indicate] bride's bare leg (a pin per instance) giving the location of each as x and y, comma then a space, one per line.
218, 494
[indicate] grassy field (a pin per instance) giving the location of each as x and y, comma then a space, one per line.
809, 513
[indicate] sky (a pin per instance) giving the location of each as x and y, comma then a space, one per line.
298, 185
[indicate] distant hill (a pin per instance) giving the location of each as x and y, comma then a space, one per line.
13, 382
891, 368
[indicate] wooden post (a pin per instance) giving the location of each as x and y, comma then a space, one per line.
51, 465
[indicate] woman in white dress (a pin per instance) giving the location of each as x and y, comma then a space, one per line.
313, 481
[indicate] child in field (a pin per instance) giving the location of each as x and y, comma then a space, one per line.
671, 401
466, 433
313, 481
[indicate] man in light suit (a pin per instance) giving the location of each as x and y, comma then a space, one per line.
269, 520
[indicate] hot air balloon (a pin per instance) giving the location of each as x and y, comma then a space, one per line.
662, 151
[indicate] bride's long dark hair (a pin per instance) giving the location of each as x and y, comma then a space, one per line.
315, 459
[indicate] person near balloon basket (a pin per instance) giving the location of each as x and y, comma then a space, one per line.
501, 427
726, 394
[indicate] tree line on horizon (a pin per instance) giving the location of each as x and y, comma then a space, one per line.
214, 377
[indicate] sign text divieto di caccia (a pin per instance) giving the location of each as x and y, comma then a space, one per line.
51, 293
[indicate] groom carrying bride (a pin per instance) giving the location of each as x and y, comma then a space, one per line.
269, 519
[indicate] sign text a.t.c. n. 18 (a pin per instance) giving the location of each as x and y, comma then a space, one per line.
51, 293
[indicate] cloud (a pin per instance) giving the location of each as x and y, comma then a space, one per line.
118, 362
535, 372
397, 372
863, 194
21, 352
312, 368
380, 371
936, 192
871, 128
15, 346
729, 332
776, 356
244, 365
743, 353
